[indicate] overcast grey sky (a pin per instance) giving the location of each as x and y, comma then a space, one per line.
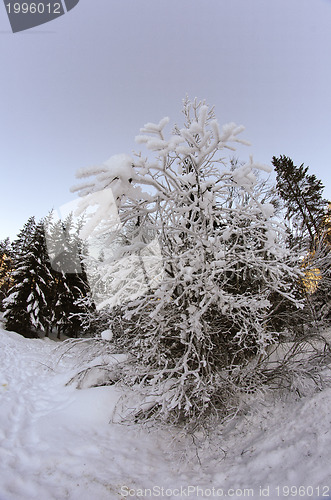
77, 90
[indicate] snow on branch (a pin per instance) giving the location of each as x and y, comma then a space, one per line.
199, 263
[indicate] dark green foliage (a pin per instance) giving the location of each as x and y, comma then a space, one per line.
309, 230
24, 237
304, 203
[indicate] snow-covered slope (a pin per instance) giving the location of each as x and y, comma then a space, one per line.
56, 442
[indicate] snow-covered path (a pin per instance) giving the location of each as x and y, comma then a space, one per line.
56, 442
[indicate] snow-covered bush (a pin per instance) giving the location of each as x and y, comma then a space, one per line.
194, 330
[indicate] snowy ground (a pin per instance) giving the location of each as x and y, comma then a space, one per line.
56, 442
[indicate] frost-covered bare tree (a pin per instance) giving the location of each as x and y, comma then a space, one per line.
209, 301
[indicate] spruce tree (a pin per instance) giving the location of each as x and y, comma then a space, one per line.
70, 282
27, 306
24, 237
6, 264
302, 194
307, 213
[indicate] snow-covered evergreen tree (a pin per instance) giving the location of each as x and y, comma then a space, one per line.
27, 307
6, 262
24, 237
47, 280
70, 283
196, 325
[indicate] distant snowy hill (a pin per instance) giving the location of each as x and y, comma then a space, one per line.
56, 442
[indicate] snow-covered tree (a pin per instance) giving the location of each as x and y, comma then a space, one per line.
69, 285
207, 305
24, 237
27, 307
6, 262
48, 278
